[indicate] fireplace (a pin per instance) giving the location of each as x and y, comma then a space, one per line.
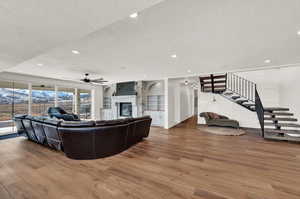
125, 109
124, 106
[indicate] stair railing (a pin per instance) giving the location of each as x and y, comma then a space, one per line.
260, 112
248, 90
241, 86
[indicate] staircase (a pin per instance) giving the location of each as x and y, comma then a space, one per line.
276, 122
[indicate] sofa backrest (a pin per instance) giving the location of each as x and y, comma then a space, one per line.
87, 139
39, 131
77, 124
109, 122
18, 119
93, 142
29, 129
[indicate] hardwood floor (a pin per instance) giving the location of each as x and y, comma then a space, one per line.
183, 162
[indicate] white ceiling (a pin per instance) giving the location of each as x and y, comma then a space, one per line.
32, 27
206, 35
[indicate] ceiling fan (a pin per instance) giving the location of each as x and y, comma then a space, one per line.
86, 79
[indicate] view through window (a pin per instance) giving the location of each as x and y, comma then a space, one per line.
43, 97
85, 104
13, 100
65, 99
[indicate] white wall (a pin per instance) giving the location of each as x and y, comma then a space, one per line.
225, 107
153, 88
97, 103
276, 87
290, 90
179, 102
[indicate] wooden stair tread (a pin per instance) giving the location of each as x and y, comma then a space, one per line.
276, 109
214, 77
216, 90
216, 86
281, 119
215, 82
267, 130
227, 93
241, 101
248, 104
282, 124
285, 137
279, 113
235, 97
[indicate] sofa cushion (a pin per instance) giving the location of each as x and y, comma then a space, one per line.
141, 118
72, 124
213, 116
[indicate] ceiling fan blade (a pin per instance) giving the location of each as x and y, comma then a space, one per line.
99, 81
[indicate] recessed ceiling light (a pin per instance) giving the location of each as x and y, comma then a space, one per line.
75, 52
267, 61
40, 64
174, 56
189, 71
134, 15
298, 33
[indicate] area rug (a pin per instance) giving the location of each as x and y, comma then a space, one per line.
223, 131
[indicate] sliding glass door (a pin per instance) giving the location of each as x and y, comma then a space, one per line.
13, 101
43, 97
65, 99
84, 104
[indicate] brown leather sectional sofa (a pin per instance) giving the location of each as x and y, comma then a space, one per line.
85, 139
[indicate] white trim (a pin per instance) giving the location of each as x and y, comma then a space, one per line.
75, 101
166, 118
29, 98
55, 96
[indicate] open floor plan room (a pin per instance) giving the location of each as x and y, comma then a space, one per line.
182, 162
138, 99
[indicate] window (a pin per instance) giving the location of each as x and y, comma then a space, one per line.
107, 103
13, 100
161, 103
42, 98
65, 99
85, 104
155, 103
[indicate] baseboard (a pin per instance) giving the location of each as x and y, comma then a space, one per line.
13, 135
